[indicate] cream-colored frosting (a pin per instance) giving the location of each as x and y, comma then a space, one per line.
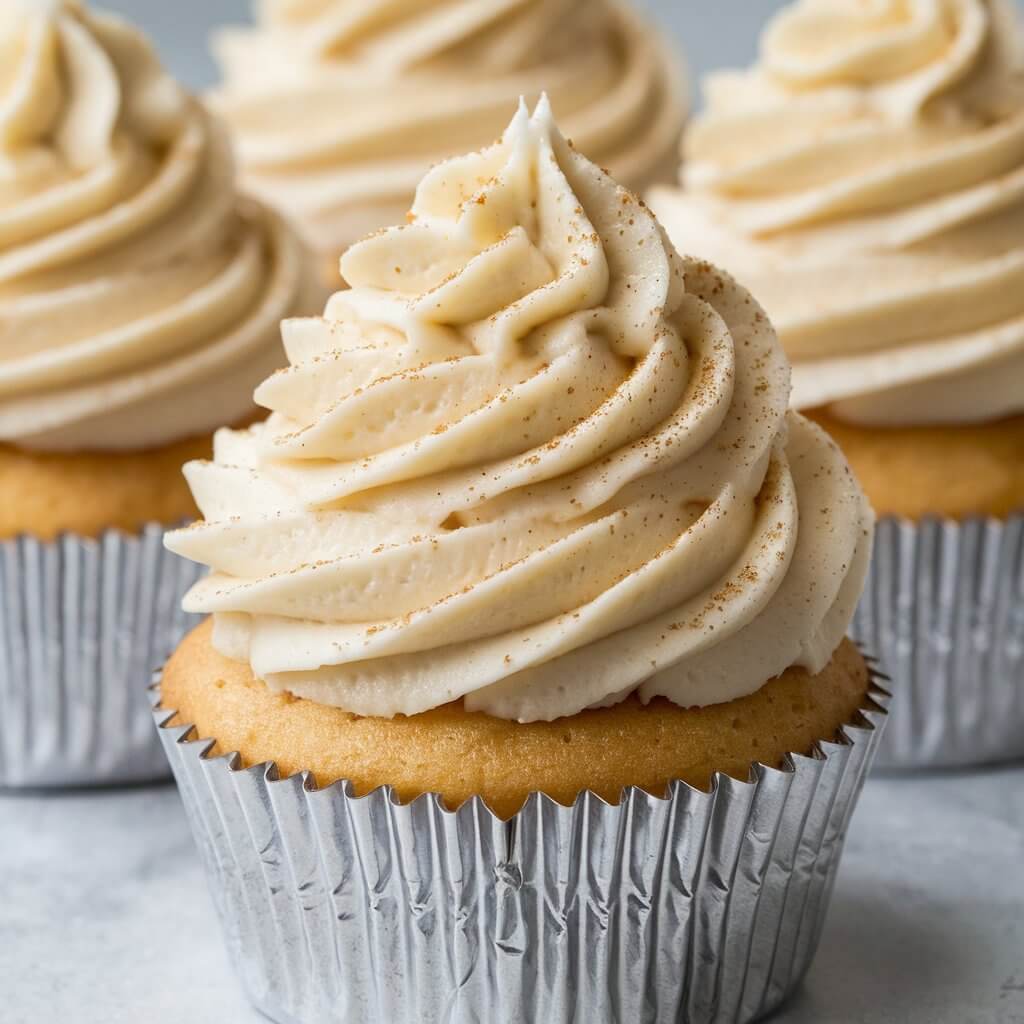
531, 459
339, 108
139, 297
866, 181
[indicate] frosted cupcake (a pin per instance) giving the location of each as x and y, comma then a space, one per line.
866, 181
530, 541
338, 109
139, 304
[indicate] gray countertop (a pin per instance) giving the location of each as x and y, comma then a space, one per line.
106, 919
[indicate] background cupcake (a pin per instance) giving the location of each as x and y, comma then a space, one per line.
866, 181
529, 514
338, 109
139, 304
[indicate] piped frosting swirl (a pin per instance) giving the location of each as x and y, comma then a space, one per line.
339, 108
531, 459
139, 296
866, 181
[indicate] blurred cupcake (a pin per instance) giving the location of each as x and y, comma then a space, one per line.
139, 304
530, 541
338, 109
866, 181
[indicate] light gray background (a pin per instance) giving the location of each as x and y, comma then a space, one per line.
713, 33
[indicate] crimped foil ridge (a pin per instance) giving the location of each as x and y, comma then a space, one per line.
943, 608
83, 622
696, 906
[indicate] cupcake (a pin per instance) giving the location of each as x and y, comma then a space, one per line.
866, 180
139, 305
338, 109
526, 647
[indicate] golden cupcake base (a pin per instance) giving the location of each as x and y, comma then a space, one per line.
461, 754
85, 493
953, 471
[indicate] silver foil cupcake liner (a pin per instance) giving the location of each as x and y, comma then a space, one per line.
704, 907
943, 609
83, 624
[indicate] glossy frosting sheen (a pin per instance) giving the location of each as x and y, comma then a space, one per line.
340, 106
532, 459
866, 181
139, 298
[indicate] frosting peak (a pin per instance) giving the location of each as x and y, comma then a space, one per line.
139, 296
850, 43
866, 180
64, 85
500, 244
531, 459
339, 108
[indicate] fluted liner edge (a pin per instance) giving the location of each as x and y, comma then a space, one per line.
697, 907
83, 623
943, 609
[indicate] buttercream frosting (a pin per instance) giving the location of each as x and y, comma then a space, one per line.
139, 295
531, 459
866, 180
338, 108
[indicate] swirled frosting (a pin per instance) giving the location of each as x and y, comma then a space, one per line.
531, 459
866, 181
139, 296
339, 108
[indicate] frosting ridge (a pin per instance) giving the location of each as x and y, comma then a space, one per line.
139, 295
866, 180
530, 459
338, 109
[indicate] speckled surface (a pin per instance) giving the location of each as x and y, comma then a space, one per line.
104, 916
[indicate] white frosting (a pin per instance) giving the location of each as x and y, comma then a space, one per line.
339, 108
139, 297
866, 181
532, 459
